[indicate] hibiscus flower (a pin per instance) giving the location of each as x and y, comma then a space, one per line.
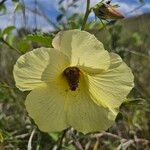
75, 84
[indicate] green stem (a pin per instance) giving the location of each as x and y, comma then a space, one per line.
88, 10
10, 46
59, 144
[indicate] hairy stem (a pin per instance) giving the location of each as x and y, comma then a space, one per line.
10, 46
88, 10
58, 146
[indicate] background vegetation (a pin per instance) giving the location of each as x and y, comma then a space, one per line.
129, 38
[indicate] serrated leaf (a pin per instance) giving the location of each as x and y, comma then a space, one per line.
43, 40
8, 30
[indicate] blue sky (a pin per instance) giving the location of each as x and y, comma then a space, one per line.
50, 8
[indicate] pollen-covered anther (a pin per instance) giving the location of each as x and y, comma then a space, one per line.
72, 75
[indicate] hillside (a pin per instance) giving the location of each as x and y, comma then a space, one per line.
129, 26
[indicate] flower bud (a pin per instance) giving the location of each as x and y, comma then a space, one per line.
107, 11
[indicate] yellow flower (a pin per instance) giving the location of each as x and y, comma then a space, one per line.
77, 83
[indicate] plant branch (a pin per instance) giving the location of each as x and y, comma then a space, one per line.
6, 86
10, 46
124, 142
137, 8
76, 142
98, 135
22, 136
96, 144
88, 10
58, 146
29, 147
24, 13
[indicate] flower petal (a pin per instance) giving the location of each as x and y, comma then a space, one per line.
86, 116
111, 87
82, 48
55, 107
38, 66
45, 105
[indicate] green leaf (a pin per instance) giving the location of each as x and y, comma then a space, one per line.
1, 138
23, 46
17, 7
10, 39
137, 101
8, 30
1, 95
59, 17
69, 147
119, 117
72, 24
43, 40
0, 32
141, 1
3, 8
55, 136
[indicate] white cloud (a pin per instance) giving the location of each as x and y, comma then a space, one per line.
146, 6
133, 9
8, 18
130, 9
5, 21
43, 25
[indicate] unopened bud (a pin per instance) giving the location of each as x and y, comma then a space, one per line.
107, 11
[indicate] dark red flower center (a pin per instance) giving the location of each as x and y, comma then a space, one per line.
72, 75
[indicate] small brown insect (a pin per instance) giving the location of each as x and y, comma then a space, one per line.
72, 76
